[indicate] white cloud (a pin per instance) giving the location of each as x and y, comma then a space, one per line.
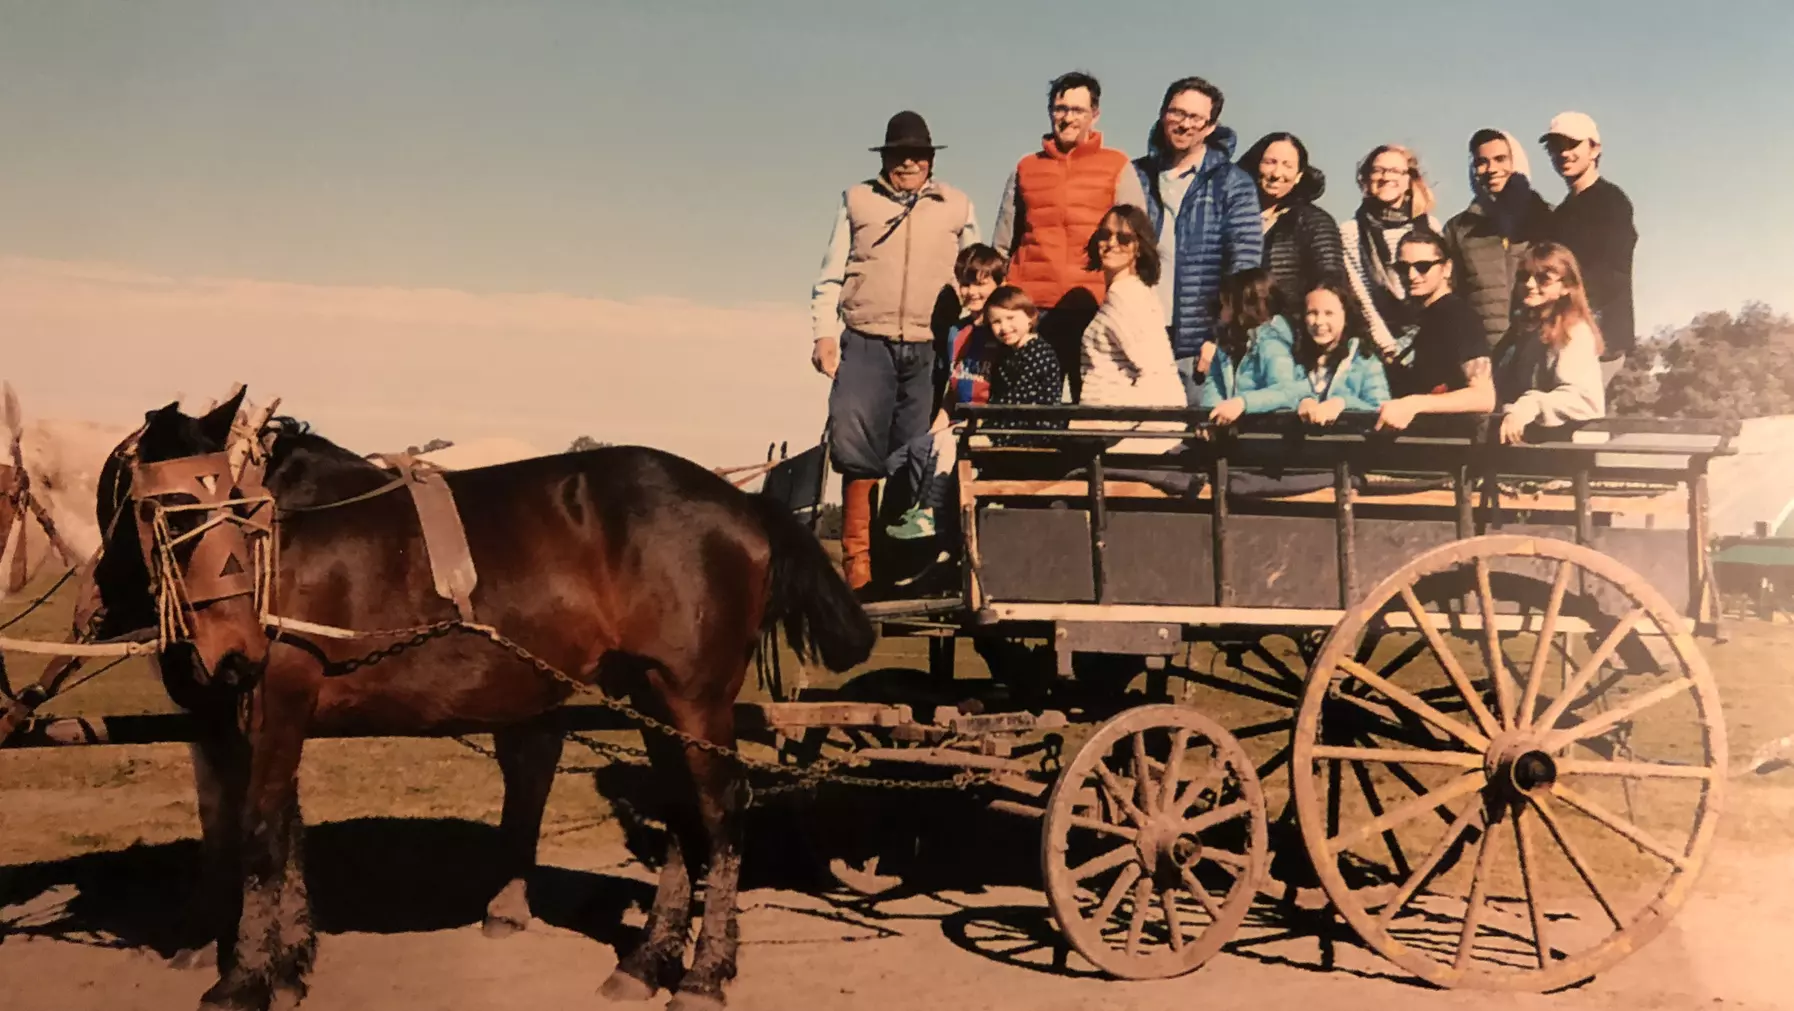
379, 368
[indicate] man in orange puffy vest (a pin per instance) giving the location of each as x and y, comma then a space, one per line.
1052, 204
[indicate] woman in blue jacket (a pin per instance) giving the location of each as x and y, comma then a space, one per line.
1252, 370
1336, 359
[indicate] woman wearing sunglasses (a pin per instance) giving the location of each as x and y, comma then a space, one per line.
1550, 369
1397, 200
1449, 371
1126, 349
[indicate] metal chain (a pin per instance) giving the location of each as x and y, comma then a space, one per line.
807, 778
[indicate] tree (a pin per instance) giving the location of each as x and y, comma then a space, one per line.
584, 443
1718, 366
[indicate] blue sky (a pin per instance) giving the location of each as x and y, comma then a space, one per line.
687, 156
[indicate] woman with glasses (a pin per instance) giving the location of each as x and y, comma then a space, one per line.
1302, 245
1397, 200
1550, 369
1126, 357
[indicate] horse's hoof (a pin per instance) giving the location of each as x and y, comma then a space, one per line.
687, 1000
501, 926
621, 986
202, 957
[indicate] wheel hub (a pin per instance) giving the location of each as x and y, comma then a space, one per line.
1166, 851
1517, 765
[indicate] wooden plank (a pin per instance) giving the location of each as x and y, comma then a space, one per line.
1288, 617
1670, 503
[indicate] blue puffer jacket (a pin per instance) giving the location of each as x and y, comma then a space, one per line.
1219, 233
1267, 378
1359, 381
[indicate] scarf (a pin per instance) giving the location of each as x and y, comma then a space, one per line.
1387, 290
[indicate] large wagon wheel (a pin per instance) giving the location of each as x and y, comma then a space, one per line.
1535, 798
1154, 842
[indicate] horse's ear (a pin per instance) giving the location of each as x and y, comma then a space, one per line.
217, 422
161, 422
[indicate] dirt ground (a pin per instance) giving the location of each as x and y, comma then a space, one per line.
97, 850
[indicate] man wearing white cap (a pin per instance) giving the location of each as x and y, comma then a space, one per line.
1595, 221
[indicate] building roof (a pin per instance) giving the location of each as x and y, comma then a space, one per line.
1756, 485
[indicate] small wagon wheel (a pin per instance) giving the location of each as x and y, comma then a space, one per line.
1534, 798
1154, 843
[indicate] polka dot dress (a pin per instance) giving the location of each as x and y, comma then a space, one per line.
1029, 374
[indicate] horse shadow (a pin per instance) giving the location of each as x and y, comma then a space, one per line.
370, 875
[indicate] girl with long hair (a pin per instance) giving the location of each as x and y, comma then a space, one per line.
1337, 361
1550, 371
1252, 367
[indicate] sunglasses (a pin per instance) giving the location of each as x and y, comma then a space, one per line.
1422, 267
1543, 278
1120, 238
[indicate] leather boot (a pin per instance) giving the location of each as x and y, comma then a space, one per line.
856, 531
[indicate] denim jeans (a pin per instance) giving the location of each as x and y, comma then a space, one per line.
882, 394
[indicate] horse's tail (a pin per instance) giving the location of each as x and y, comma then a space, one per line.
812, 601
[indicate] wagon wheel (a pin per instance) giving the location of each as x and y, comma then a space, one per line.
1535, 798
1149, 871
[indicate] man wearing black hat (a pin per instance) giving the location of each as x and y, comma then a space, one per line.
891, 251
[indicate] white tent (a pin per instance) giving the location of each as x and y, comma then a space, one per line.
1757, 484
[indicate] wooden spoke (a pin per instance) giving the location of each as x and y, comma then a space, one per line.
1112, 901
1174, 764
1472, 812
1146, 798
1375, 802
1535, 675
1187, 799
1173, 923
1194, 887
1558, 739
1575, 857
1400, 756
1590, 668
1479, 888
1122, 796
1504, 682
1408, 810
1227, 857
1454, 670
1529, 877
1107, 862
1631, 770
1137, 923
1098, 825
1620, 826
1226, 812
1413, 703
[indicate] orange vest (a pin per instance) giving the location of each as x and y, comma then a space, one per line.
1062, 197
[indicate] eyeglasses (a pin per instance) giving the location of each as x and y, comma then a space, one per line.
1543, 278
1386, 173
1070, 110
1119, 238
1178, 117
1422, 267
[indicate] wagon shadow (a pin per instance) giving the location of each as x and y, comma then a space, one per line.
369, 875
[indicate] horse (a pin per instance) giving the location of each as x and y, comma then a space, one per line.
49, 476
625, 569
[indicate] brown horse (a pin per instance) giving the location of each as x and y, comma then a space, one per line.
624, 567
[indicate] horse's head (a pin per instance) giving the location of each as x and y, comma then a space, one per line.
182, 507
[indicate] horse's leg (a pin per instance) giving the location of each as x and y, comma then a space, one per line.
527, 756
220, 771
718, 793
274, 943
659, 959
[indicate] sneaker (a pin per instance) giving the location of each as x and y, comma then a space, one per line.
914, 525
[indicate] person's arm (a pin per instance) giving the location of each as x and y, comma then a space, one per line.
1579, 394
1273, 388
1322, 252
1002, 234
1243, 234
825, 294
968, 233
1128, 189
1476, 398
1208, 395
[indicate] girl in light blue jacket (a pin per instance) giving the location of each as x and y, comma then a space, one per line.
1336, 360
1252, 370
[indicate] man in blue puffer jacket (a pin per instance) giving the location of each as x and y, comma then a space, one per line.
1205, 209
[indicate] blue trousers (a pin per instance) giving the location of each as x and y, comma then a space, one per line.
882, 394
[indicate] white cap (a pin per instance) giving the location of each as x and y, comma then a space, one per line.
1574, 125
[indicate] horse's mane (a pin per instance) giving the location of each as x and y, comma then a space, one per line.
305, 468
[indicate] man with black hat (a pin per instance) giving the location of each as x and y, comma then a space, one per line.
891, 252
